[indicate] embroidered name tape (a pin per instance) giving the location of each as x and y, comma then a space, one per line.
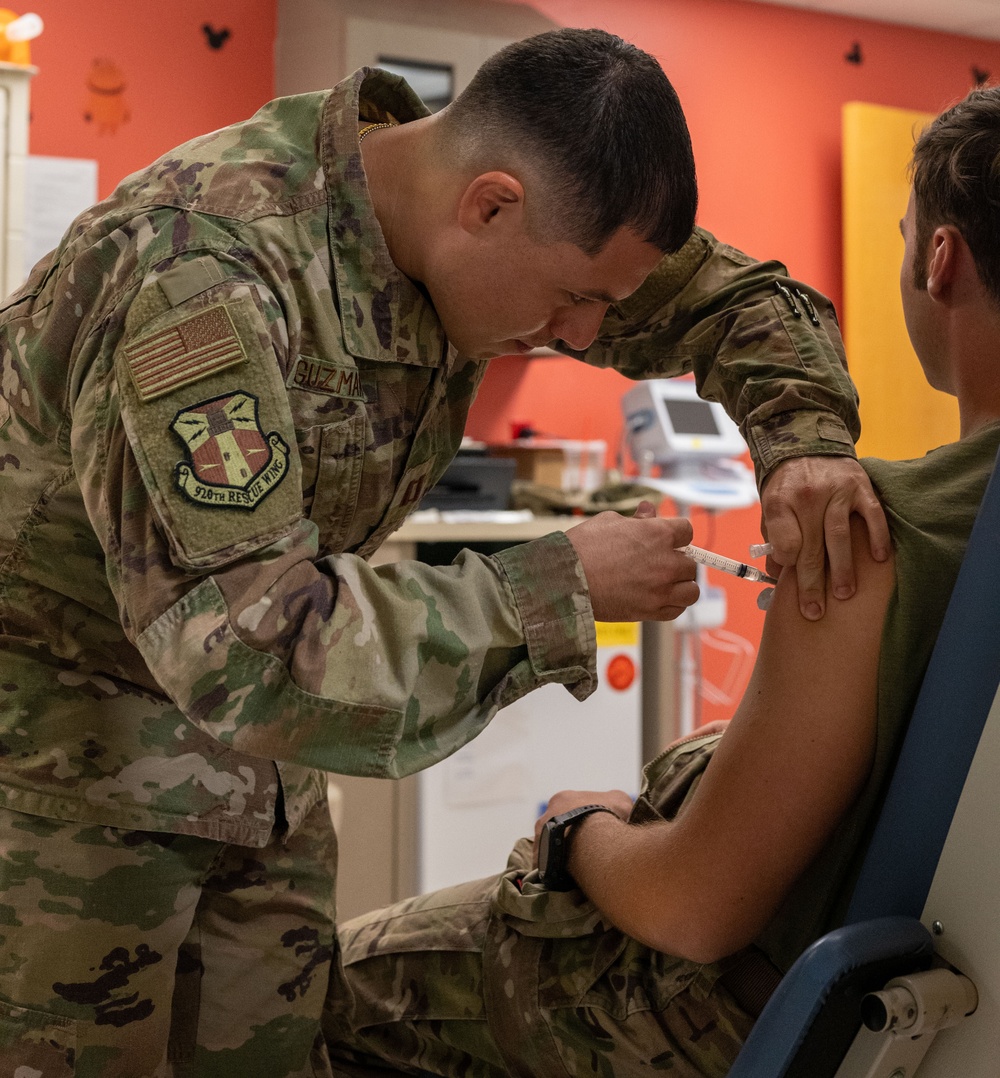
322, 376
231, 463
184, 353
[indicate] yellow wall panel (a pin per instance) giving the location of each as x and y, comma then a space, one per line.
901, 416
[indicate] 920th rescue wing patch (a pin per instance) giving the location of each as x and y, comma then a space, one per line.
231, 463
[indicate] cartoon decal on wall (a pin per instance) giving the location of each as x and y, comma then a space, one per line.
15, 35
854, 56
980, 76
106, 105
216, 38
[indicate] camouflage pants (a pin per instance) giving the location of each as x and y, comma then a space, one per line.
501, 977
127, 954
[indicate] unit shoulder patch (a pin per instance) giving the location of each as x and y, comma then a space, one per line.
205, 409
185, 352
231, 463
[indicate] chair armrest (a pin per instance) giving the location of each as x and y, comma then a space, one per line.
813, 1016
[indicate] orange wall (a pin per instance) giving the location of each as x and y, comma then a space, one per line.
176, 86
762, 86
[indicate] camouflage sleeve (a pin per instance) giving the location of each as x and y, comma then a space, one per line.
193, 483
765, 346
363, 670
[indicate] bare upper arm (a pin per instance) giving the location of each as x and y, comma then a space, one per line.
792, 761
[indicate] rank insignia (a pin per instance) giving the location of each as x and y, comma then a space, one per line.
231, 463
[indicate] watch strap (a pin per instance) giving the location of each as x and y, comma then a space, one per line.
553, 867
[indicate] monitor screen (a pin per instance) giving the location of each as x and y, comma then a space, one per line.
434, 84
691, 417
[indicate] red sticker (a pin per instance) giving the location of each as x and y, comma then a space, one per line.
620, 672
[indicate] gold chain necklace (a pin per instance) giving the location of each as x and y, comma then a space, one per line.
369, 129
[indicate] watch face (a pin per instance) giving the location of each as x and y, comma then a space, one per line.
552, 855
553, 847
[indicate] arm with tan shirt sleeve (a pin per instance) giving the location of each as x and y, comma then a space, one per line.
791, 762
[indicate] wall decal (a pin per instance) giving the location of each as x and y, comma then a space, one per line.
15, 35
979, 76
106, 105
854, 56
216, 38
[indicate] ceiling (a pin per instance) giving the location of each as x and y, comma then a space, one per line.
977, 18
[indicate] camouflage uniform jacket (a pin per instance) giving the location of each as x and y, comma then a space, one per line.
219, 396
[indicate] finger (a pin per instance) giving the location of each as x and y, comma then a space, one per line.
783, 531
771, 566
837, 529
681, 597
797, 538
681, 531
645, 510
879, 539
681, 567
810, 572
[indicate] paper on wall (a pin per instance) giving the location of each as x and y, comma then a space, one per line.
57, 189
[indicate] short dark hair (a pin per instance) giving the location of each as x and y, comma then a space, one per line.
956, 181
602, 125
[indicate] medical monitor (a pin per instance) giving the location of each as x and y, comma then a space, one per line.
666, 422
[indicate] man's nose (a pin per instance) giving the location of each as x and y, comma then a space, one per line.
579, 325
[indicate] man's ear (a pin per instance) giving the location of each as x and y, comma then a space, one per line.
944, 252
488, 198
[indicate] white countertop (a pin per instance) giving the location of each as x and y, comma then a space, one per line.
469, 527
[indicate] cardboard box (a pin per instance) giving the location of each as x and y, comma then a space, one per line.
557, 462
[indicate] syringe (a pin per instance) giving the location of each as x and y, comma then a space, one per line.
727, 565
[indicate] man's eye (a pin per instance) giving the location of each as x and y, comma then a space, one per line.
577, 300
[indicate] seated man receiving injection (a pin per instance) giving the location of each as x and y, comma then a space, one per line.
742, 849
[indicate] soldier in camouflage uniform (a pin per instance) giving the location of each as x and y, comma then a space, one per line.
220, 394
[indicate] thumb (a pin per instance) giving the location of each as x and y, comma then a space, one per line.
645, 510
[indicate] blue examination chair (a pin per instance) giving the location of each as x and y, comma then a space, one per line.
912, 979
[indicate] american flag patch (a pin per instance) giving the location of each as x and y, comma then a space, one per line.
201, 345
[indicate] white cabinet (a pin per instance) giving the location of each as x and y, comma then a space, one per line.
14, 110
473, 806
320, 42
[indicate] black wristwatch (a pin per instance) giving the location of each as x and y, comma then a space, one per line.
553, 847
